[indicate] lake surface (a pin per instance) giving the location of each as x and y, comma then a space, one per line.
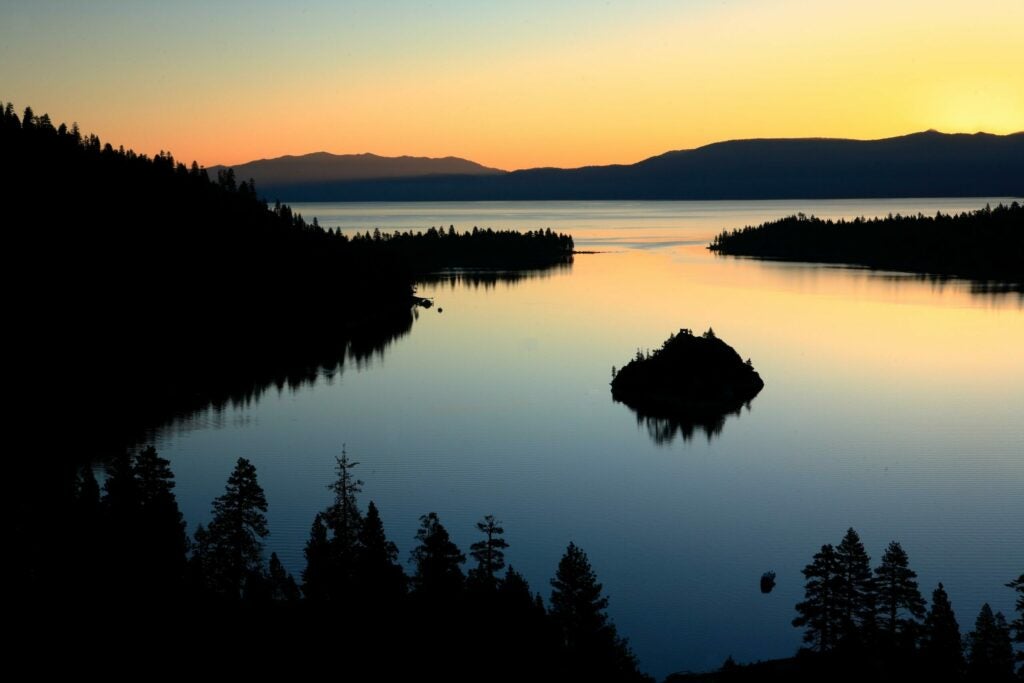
892, 404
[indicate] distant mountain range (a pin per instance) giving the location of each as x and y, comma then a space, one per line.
324, 167
928, 164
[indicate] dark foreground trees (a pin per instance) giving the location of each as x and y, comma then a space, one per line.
859, 625
229, 553
593, 648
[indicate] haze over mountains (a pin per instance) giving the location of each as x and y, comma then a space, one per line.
929, 164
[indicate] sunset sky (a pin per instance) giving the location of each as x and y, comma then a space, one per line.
509, 84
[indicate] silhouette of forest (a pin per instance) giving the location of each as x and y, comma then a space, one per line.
691, 382
163, 290
221, 598
864, 623
985, 245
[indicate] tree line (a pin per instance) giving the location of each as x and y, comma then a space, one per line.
129, 553
984, 245
875, 621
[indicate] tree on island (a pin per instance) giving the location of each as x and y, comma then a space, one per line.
230, 549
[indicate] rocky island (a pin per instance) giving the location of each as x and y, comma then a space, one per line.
694, 378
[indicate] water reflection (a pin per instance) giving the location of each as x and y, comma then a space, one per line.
215, 405
489, 279
664, 430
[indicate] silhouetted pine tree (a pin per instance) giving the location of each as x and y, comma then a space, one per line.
897, 594
318, 559
990, 651
437, 560
162, 543
942, 647
233, 541
378, 575
591, 645
281, 585
1018, 623
489, 553
819, 611
855, 591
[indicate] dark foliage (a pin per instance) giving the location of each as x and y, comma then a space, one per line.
985, 245
898, 602
229, 552
593, 650
1018, 623
990, 650
437, 559
942, 647
689, 382
489, 554
819, 612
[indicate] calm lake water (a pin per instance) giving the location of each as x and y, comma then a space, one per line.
891, 404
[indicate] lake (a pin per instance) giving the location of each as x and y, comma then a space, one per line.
892, 404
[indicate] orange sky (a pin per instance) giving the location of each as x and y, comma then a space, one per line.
535, 84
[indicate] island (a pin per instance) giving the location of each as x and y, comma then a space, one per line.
691, 380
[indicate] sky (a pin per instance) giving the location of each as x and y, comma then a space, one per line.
511, 84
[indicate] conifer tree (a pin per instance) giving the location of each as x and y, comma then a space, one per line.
437, 560
234, 538
855, 591
592, 647
942, 646
897, 594
489, 553
281, 585
990, 652
819, 611
1018, 623
378, 574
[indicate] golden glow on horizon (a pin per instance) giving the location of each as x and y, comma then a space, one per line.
610, 92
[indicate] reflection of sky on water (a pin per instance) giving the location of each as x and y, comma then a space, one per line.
891, 404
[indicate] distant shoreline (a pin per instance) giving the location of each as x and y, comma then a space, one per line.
985, 245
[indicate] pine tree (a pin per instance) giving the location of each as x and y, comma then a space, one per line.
343, 517
819, 612
942, 647
234, 536
897, 593
281, 585
1018, 623
164, 543
592, 647
990, 651
378, 574
855, 591
437, 560
489, 553
318, 553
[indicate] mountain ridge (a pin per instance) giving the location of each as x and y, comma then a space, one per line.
923, 164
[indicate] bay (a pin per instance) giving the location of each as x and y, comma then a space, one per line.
893, 404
